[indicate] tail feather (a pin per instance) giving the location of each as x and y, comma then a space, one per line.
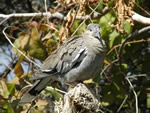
38, 86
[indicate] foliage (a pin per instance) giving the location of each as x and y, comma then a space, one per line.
39, 37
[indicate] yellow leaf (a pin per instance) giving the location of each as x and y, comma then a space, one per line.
15, 81
88, 81
107, 62
48, 36
63, 35
24, 39
18, 68
3, 89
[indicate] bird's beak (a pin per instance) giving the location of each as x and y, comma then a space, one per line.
98, 35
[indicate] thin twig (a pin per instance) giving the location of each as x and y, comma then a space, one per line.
134, 76
49, 15
63, 92
142, 8
48, 25
48, 87
124, 100
136, 99
27, 82
85, 20
29, 107
17, 48
131, 36
131, 42
134, 34
136, 17
106, 67
74, 16
45, 4
4, 20
8, 69
6, 65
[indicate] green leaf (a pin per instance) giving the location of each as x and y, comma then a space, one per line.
37, 50
55, 94
76, 25
112, 38
105, 23
127, 27
125, 66
11, 88
8, 109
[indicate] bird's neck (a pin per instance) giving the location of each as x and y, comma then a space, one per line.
93, 42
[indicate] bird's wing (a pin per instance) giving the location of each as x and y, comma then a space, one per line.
71, 53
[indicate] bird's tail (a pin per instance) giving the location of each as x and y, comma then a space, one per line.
37, 87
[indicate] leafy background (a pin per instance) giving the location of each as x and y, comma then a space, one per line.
37, 37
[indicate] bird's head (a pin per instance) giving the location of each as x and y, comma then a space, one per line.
93, 30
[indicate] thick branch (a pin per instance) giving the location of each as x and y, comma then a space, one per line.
141, 19
54, 15
59, 15
48, 14
79, 99
135, 17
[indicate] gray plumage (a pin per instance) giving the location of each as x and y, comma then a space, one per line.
79, 58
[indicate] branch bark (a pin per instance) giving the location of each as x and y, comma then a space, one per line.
54, 15
136, 17
141, 19
79, 99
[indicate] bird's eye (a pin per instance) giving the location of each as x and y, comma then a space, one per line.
90, 30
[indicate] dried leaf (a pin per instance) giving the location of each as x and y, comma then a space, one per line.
70, 18
3, 89
47, 36
24, 39
15, 81
18, 70
123, 12
82, 4
63, 35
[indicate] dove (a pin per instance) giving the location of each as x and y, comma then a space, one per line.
79, 58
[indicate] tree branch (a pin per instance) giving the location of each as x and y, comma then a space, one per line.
77, 98
18, 49
131, 36
136, 99
131, 42
54, 15
18, 15
141, 19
